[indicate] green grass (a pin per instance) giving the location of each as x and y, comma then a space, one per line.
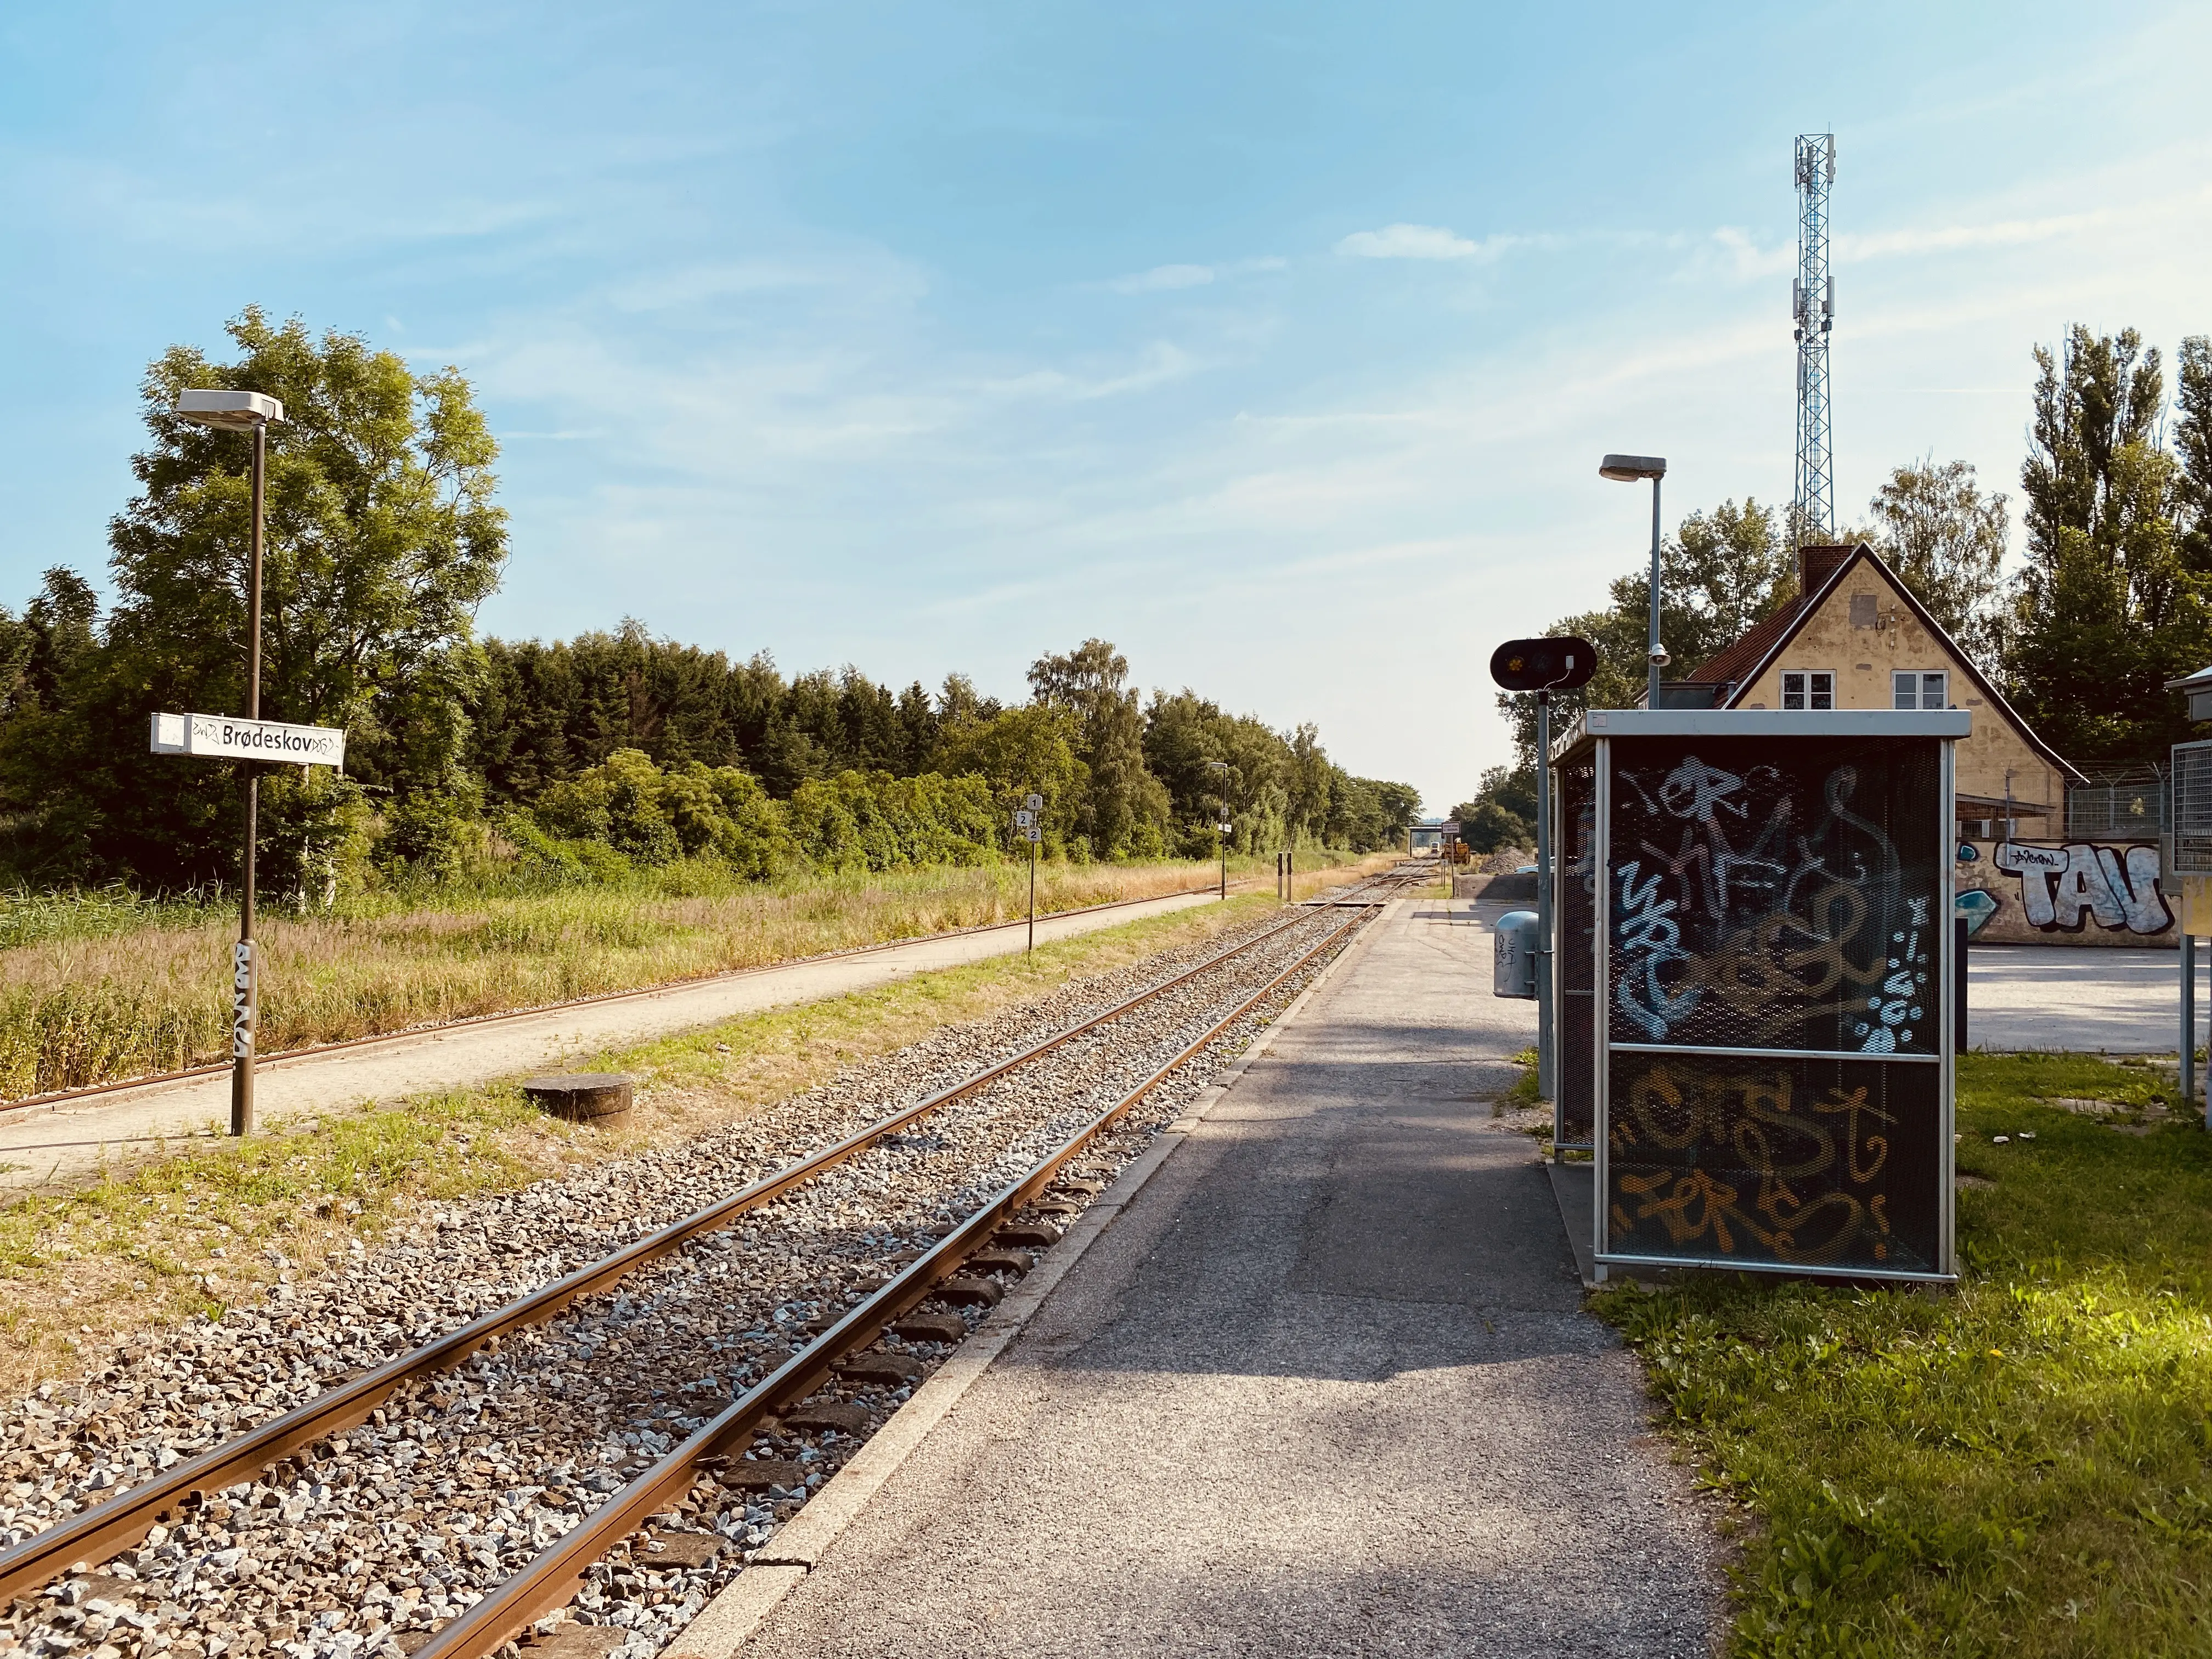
1524, 1091
2021, 1467
100, 986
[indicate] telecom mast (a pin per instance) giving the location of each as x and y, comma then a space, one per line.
1812, 304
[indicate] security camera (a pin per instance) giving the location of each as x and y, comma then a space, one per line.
1659, 657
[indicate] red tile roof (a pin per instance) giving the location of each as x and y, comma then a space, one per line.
1738, 659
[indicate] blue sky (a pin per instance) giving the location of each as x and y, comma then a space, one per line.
1276, 344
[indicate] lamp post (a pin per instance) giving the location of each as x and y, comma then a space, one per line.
1632, 469
1221, 825
248, 412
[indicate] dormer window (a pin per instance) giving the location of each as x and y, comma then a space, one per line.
1917, 688
1809, 687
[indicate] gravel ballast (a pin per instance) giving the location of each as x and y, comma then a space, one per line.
372, 1540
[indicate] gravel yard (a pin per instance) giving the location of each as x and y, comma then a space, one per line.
397, 1525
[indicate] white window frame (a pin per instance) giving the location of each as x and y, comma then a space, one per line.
1918, 694
1806, 685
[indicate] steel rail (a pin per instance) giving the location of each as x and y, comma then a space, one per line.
119, 1521
550, 1580
60, 1097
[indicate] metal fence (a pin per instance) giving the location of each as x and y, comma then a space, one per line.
2117, 811
2189, 843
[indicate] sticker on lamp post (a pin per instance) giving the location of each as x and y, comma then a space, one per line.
241, 1000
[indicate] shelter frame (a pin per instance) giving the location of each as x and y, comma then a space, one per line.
1599, 733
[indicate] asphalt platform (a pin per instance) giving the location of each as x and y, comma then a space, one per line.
1324, 1387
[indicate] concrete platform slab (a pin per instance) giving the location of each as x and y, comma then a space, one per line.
1324, 1386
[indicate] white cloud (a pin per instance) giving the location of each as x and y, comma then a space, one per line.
1163, 277
1742, 258
1408, 242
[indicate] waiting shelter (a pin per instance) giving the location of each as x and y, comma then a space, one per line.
1752, 974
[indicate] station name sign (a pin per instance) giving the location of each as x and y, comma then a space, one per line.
226, 737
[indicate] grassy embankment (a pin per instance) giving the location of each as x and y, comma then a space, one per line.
78, 1271
2023, 1466
102, 986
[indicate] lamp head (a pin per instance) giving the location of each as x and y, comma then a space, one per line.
1632, 469
229, 411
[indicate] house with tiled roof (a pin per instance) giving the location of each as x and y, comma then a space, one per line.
1853, 637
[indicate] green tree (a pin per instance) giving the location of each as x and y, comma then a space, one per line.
2192, 447
1486, 827
1367, 815
1185, 735
382, 541
1019, 752
2106, 610
1125, 811
1503, 813
1315, 783
1721, 571
40, 652
1946, 540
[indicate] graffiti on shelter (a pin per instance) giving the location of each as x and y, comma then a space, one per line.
1756, 908
2118, 885
1787, 1162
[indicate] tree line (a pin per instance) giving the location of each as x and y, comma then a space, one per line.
577, 760
2112, 599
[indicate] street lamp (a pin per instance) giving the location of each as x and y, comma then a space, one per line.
1633, 469
244, 411
1221, 825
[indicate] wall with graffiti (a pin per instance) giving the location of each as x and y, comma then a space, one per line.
1774, 1014
2085, 893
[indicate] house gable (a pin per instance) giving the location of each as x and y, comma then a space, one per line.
1862, 624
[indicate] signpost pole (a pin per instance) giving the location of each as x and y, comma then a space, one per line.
1033, 896
2189, 1016
245, 1003
1547, 1068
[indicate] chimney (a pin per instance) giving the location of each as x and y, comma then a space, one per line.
1816, 564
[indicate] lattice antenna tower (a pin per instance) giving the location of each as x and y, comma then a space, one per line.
1813, 307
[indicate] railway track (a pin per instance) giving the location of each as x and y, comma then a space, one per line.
661, 1378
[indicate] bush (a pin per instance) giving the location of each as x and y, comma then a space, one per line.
435, 833
653, 818
873, 821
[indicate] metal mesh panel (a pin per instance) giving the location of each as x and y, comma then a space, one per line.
1576, 919
1832, 1163
2193, 809
2122, 812
1774, 899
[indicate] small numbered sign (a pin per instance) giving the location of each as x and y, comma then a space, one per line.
1033, 833
1035, 803
1024, 820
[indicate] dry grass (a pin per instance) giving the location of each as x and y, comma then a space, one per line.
109, 993
80, 1272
